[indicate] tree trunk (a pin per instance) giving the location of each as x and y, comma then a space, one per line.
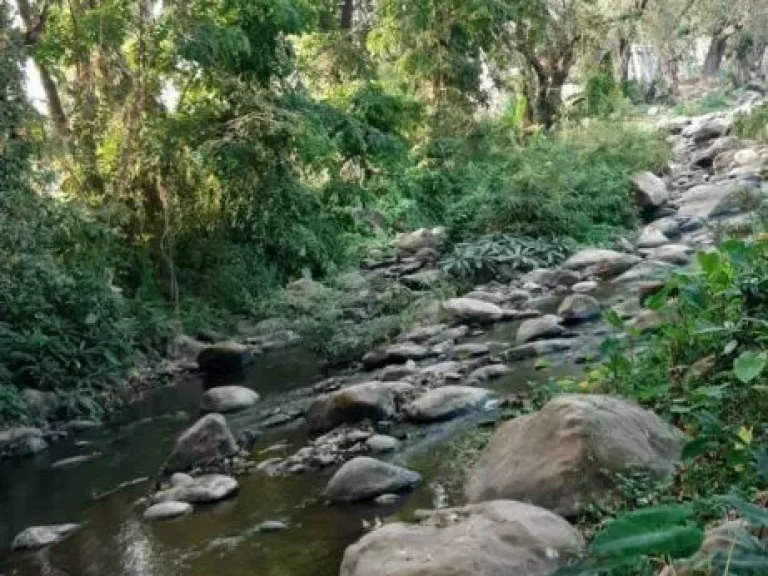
715, 54
347, 13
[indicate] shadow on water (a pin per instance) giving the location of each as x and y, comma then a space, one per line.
219, 539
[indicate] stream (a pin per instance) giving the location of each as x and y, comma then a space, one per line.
220, 538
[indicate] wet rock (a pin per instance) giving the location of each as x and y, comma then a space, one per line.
539, 348
23, 441
646, 320
539, 277
228, 399
490, 372
224, 358
40, 536
423, 280
379, 443
40, 405
204, 489
720, 199
207, 441
585, 287
364, 478
387, 499
179, 479
472, 311
272, 526
548, 326
167, 510
75, 460
650, 190
557, 458
678, 254
602, 262
501, 538
371, 400
447, 402
76, 426
406, 351
469, 350
579, 308
651, 238
517, 297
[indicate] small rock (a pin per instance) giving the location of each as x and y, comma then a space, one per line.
387, 499
540, 348
40, 536
678, 254
22, 441
228, 399
364, 478
398, 372
469, 350
490, 372
167, 510
474, 311
579, 308
651, 238
650, 190
181, 479
208, 440
40, 405
207, 488
447, 402
272, 526
75, 460
604, 263
585, 287
379, 444
548, 326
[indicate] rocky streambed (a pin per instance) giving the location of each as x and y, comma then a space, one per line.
289, 469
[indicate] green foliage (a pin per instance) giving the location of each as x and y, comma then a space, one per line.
500, 256
753, 125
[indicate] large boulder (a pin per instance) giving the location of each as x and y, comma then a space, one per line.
501, 538
207, 441
720, 199
228, 399
224, 358
371, 400
202, 490
472, 311
565, 456
579, 308
447, 402
602, 262
549, 326
364, 478
650, 190
646, 270
40, 536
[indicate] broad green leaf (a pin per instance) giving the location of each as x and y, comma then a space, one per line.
749, 365
695, 448
629, 540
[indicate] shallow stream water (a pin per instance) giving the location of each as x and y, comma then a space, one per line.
219, 539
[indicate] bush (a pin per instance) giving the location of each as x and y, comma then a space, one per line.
754, 124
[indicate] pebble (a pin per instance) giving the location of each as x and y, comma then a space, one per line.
272, 526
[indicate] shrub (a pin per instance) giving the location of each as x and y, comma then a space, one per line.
754, 124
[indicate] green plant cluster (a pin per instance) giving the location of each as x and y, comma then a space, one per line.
753, 124
704, 369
